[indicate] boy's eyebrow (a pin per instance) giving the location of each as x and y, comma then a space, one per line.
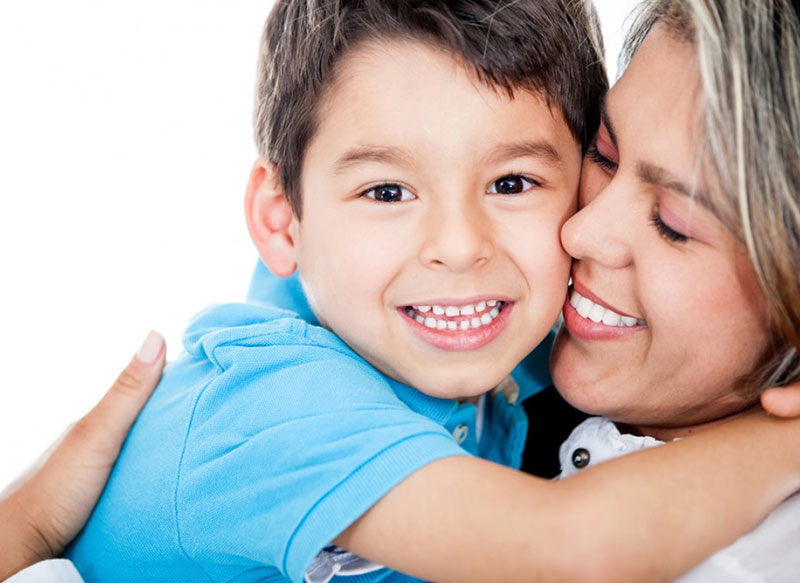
540, 149
368, 153
661, 177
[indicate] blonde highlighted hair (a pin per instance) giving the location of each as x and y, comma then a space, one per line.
748, 52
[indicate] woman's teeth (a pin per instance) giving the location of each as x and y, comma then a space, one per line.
597, 313
466, 317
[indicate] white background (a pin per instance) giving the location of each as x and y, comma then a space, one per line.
125, 146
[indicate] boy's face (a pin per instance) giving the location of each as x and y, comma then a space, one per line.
426, 191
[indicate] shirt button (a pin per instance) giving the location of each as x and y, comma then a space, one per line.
460, 433
580, 458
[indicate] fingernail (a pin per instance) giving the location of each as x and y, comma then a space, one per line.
150, 349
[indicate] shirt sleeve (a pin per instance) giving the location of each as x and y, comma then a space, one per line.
287, 447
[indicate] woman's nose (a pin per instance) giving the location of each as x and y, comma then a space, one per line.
458, 238
601, 230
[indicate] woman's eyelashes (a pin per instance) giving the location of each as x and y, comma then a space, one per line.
388, 192
512, 184
594, 155
665, 230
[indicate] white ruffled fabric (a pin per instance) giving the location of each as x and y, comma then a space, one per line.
768, 553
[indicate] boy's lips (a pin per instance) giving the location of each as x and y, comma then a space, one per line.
458, 326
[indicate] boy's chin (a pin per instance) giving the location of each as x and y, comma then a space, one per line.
468, 388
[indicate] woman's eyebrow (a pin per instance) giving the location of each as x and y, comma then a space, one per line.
663, 178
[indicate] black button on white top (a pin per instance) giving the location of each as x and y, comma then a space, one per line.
580, 458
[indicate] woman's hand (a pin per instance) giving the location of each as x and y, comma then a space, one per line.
44, 509
782, 401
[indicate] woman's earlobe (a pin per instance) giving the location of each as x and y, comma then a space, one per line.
269, 216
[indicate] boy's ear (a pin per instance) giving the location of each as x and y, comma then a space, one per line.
269, 216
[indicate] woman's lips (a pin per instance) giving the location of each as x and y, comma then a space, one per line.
458, 329
589, 320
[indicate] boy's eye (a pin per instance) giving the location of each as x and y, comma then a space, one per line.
389, 193
511, 184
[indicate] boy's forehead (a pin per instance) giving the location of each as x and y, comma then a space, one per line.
387, 92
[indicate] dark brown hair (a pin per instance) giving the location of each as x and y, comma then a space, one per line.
549, 46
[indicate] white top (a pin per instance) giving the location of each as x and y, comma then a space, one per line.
51, 571
769, 552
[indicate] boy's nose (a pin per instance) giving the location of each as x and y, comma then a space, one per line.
601, 230
457, 239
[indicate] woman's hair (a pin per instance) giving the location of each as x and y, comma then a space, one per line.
748, 53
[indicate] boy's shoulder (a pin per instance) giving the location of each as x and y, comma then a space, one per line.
232, 334
263, 442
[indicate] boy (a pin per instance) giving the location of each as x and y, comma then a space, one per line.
418, 161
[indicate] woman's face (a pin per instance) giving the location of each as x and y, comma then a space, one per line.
672, 315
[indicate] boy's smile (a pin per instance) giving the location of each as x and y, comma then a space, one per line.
459, 326
432, 204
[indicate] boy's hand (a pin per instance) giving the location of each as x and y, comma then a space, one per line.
782, 401
42, 511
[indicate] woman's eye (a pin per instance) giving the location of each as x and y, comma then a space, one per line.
389, 193
665, 230
596, 157
512, 184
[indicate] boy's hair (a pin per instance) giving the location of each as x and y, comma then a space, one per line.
552, 47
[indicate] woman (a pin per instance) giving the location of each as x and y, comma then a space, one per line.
413, 501
690, 221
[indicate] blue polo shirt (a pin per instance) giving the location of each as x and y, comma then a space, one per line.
267, 438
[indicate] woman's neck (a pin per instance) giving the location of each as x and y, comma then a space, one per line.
671, 433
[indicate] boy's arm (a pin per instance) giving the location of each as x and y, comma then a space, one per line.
651, 515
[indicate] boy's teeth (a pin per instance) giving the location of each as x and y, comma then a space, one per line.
481, 314
586, 308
